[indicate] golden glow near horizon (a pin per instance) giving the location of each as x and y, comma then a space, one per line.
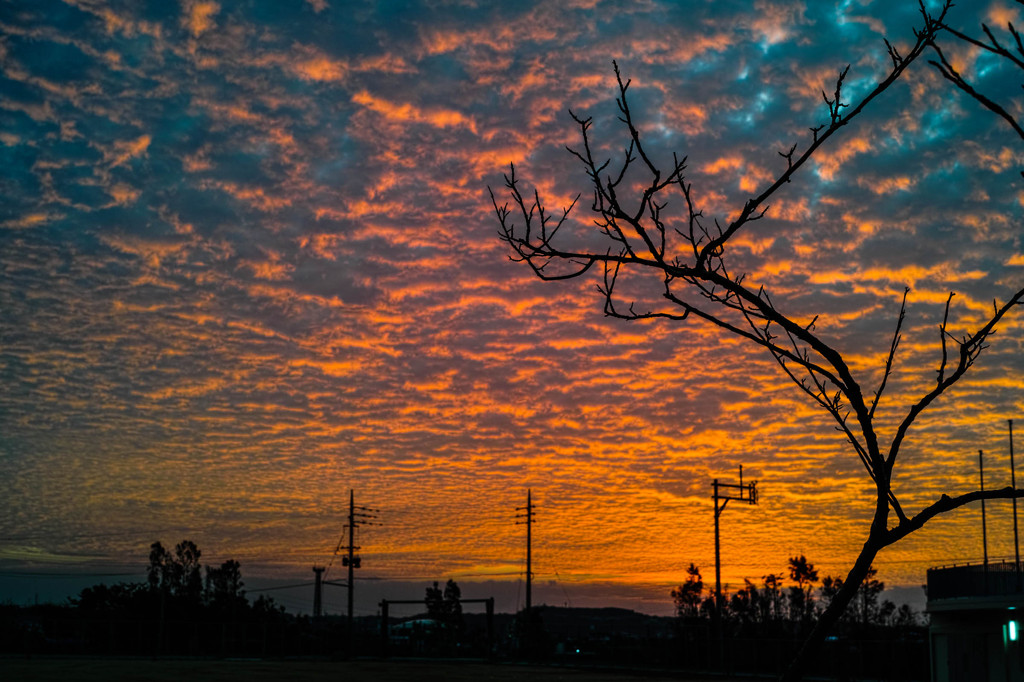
248, 262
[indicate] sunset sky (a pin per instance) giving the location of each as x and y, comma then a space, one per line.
248, 262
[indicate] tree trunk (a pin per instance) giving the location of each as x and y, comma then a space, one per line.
833, 611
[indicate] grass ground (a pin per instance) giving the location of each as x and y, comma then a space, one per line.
206, 670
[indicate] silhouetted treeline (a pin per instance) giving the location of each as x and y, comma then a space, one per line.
763, 623
775, 607
186, 609
183, 608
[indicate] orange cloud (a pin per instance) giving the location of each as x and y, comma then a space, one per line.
273, 270
123, 194
333, 368
29, 220
254, 196
153, 252
384, 63
320, 68
794, 211
407, 113
724, 163
311, 63
441, 41
194, 163
199, 15
123, 151
774, 22
118, 22
1000, 15
830, 162
888, 185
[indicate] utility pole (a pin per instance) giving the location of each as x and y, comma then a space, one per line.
1013, 483
528, 516
746, 493
357, 516
984, 528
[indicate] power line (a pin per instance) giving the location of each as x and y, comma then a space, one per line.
86, 534
281, 587
29, 574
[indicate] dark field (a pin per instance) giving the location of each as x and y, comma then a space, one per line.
191, 670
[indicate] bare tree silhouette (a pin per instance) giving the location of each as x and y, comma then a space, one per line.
693, 277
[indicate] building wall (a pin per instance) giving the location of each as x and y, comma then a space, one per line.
974, 646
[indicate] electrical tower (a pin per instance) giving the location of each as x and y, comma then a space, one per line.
528, 522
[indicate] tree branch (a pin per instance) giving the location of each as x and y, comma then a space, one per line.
943, 505
969, 349
837, 121
954, 77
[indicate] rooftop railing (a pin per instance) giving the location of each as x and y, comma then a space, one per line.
1004, 578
